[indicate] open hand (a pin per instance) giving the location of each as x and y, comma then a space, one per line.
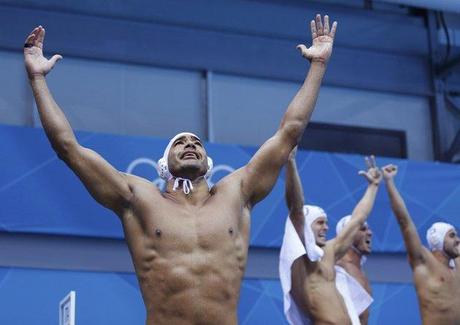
36, 63
322, 38
373, 174
389, 171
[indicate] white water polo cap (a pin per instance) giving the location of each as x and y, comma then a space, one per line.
436, 234
311, 213
435, 237
165, 174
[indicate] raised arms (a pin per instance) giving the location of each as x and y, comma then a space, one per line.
294, 195
415, 250
344, 239
260, 174
106, 185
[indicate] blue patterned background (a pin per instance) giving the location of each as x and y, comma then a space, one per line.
38, 187
32, 296
40, 195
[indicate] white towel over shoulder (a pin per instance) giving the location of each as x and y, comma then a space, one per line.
293, 248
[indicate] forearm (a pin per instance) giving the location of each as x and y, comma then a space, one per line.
365, 205
54, 122
397, 205
344, 239
407, 226
300, 109
294, 191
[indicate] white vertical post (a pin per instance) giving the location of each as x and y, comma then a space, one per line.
67, 309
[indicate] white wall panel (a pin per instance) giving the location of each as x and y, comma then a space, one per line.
248, 111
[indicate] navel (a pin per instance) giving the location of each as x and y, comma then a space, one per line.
230, 231
158, 232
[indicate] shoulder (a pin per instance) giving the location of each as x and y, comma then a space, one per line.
232, 181
139, 185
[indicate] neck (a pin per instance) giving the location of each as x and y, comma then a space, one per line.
442, 257
353, 256
199, 193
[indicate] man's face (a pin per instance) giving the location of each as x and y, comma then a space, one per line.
452, 244
363, 240
187, 158
320, 228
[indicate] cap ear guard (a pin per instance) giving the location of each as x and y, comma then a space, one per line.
163, 170
210, 167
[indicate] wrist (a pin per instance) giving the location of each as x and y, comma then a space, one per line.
319, 62
388, 180
36, 76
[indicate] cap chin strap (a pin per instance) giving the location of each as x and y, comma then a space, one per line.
187, 185
451, 260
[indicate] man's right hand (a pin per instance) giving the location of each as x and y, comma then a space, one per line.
373, 174
322, 39
36, 64
389, 171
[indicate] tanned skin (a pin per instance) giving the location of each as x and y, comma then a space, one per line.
437, 285
351, 262
313, 283
189, 251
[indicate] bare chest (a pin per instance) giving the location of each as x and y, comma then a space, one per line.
168, 226
441, 290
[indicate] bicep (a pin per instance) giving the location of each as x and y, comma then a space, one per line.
106, 185
415, 250
262, 171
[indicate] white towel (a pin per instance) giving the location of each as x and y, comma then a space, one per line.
293, 248
356, 298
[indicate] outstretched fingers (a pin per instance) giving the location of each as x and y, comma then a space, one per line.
372, 161
314, 34
30, 40
40, 37
319, 25
326, 24
333, 29
368, 162
303, 50
55, 58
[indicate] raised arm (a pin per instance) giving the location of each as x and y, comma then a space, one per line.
294, 195
260, 174
415, 249
344, 239
106, 185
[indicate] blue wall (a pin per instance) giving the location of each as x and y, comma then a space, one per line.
28, 165
31, 296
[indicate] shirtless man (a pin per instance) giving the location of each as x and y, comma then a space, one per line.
307, 260
353, 260
436, 272
189, 244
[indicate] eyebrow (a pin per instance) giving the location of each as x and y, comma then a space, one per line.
182, 138
179, 139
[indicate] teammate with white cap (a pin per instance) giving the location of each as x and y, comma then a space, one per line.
354, 259
314, 291
436, 271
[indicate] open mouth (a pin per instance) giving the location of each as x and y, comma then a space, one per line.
189, 155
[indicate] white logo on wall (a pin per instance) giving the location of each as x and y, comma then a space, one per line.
226, 169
